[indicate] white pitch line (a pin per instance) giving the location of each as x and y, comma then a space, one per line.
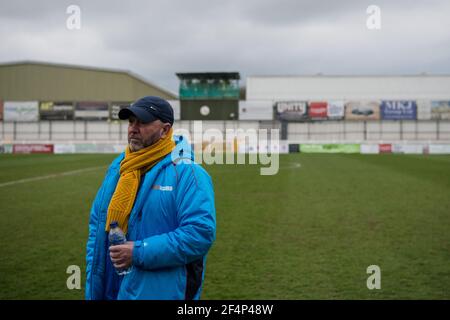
67, 173
293, 165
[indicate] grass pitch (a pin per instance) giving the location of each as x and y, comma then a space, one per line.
309, 232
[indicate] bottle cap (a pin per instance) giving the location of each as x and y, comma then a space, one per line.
114, 224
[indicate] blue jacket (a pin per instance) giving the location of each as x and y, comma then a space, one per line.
173, 224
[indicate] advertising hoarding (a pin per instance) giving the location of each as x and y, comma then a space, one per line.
283, 147
294, 148
385, 148
99, 148
249, 147
32, 148
370, 149
6, 148
440, 110
63, 148
280, 147
408, 148
439, 149
423, 109
335, 109
20, 111
398, 110
291, 110
362, 110
91, 111
330, 148
49, 110
317, 110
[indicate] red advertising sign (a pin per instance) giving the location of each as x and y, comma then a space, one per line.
318, 110
385, 148
33, 148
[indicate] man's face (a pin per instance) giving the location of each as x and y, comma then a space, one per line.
141, 135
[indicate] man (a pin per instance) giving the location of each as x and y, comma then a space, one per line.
164, 203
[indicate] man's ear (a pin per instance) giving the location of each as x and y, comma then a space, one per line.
165, 129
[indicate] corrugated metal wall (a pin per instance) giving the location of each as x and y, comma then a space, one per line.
47, 82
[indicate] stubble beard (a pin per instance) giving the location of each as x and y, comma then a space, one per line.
139, 144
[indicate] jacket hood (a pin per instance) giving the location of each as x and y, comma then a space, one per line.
183, 150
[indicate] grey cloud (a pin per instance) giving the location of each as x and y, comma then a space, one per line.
158, 38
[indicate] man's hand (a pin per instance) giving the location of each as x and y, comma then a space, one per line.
122, 255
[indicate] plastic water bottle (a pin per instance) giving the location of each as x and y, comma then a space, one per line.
116, 237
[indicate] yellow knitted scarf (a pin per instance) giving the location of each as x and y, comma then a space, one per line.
132, 167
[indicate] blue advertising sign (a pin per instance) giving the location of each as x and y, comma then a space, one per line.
399, 110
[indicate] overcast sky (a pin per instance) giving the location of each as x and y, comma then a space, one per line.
156, 39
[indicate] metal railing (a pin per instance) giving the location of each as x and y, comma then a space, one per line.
401, 130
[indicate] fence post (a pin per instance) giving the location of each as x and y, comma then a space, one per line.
416, 131
308, 135
438, 129
345, 130
284, 130
401, 130
365, 130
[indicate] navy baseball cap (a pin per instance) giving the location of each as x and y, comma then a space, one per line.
148, 109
